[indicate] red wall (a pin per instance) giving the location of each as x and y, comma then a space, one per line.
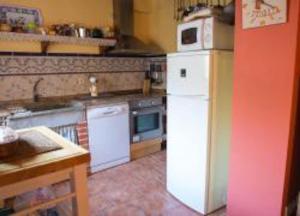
264, 73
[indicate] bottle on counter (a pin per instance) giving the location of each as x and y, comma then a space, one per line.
93, 88
147, 83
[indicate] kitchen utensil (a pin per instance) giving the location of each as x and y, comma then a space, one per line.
187, 11
59, 29
219, 6
52, 32
201, 5
97, 33
5, 27
152, 67
207, 3
82, 32
18, 29
108, 32
73, 29
157, 78
43, 30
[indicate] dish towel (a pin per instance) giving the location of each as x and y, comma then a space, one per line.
69, 132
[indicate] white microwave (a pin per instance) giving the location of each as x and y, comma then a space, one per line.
204, 34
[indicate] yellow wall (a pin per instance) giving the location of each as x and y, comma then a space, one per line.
91, 13
154, 22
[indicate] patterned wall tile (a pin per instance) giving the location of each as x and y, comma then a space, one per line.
21, 87
19, 73
52, 64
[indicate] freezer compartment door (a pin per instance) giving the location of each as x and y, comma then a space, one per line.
188, 74
187, 152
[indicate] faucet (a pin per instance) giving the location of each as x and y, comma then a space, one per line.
35, 93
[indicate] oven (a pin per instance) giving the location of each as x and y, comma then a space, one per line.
146, 119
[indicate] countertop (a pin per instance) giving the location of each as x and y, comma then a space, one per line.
77, 102
118, 99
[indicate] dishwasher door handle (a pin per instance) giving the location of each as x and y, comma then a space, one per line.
110, 113
106, 112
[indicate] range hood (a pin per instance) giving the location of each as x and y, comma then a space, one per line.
128, 44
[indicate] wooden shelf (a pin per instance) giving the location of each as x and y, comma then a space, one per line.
45, 40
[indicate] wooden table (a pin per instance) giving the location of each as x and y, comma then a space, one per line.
69, 163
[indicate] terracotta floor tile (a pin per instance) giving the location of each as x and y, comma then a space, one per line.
221, 212
180, 211
155, 203
137, 188
124, 210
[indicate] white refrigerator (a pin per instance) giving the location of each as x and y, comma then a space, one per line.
199, 87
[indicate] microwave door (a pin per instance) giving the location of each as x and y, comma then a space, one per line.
189, 36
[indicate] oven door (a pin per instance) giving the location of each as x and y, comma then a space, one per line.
146, 124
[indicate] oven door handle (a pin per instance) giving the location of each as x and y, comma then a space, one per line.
135, 113
148, 110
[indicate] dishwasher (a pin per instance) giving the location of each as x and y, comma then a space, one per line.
108, 136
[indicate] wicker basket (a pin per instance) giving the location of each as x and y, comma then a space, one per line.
8, 149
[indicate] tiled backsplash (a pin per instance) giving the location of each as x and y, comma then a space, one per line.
69, 75
56, 64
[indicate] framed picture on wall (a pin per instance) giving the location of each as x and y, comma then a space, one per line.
259, 13
20, 16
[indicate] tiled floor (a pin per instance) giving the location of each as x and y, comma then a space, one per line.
135, 189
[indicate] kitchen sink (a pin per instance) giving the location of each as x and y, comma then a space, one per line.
43, 108
49, 114
46, 106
